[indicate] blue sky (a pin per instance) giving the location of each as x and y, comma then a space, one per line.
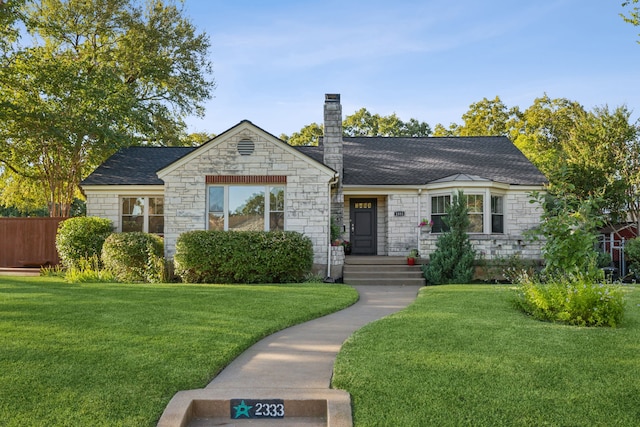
274, 60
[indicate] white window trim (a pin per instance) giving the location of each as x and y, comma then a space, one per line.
267, 203
486, 206
145, 215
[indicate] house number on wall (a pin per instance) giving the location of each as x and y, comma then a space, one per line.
398, 213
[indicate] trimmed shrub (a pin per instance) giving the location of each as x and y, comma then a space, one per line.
574, 300
243, 257
452, 261
134, 257
81, 238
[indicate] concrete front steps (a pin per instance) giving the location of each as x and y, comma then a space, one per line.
381, 270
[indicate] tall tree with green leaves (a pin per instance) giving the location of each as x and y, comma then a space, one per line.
362, 123
542, 129
487, 118
94, 76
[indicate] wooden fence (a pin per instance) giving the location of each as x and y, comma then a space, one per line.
28, 242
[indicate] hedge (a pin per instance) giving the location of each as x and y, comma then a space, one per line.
134, 257
81, 238
243, 257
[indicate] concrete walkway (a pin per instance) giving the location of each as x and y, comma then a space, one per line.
295, 364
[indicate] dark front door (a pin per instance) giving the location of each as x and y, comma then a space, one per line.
363, 226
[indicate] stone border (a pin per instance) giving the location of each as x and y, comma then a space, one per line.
188, 405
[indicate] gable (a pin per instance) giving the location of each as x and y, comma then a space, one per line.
245, 149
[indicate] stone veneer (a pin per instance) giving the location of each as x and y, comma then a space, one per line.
306, 195
399, 234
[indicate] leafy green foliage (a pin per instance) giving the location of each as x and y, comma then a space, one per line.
243, 257
452, 261
95, 76
575, 300
89, 271
134, 257
568, 233
81, 238
632, 255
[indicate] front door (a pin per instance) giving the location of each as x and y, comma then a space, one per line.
363, 226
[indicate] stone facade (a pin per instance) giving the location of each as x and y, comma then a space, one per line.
306, 195
400, 212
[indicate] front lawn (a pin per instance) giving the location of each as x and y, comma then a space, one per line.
114, 354
462, 355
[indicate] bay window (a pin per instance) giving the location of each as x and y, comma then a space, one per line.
246, 207
476, 213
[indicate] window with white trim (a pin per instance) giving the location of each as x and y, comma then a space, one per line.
497, 214
439, 207
142, 213
245, 207
475, 207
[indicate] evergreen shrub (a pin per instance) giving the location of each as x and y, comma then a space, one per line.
81, 238
243, 257
452, 261
134, 257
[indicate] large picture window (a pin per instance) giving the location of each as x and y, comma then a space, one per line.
246, 207
142, 213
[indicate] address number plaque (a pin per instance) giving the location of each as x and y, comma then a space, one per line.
257, 408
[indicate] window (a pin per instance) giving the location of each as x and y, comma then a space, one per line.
245, 207
439, 206
142, 214
497, 214
476, 210
475, 206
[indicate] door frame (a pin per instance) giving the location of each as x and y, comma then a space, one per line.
374, 222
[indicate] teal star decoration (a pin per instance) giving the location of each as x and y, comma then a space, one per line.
242, 410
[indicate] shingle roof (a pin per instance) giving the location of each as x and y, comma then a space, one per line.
135, 166
367, 161
418, 161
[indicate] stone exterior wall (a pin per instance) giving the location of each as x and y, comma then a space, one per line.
306, 196
519, 216
104, 206
402, 214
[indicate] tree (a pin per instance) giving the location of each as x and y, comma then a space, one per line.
362, 123
540, 131
98, 75
452, 261
308, 135
440, 130
487, 118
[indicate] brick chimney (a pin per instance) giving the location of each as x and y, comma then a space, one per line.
332, 145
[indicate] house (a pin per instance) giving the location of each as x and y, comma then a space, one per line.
377, 189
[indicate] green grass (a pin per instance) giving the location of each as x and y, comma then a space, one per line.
114, 354
463, 355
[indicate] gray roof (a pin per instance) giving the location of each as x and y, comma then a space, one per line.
136, 166
367, 161
418, 161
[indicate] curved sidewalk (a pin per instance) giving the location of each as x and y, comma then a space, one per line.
295, 364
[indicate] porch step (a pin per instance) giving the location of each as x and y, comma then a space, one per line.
381, 270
